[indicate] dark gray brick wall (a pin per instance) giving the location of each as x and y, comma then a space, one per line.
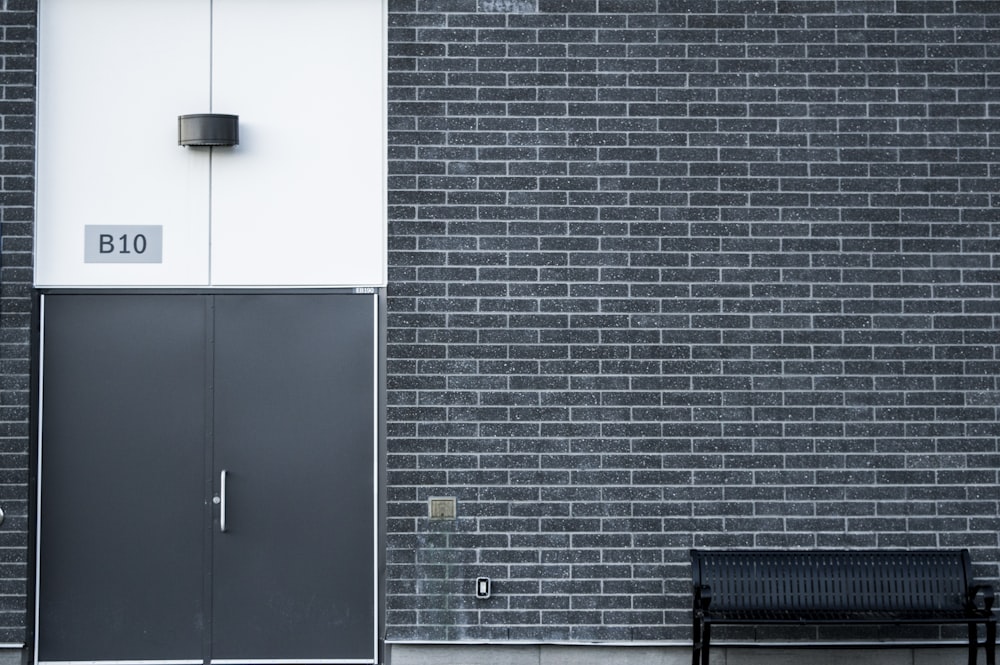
675, 273
663, 274
17, 107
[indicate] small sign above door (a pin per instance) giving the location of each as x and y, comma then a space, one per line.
123, 244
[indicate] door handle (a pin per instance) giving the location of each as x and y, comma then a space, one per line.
222, 501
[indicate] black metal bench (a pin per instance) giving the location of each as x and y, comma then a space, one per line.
838, 587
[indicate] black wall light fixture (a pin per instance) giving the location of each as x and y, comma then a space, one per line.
208, 129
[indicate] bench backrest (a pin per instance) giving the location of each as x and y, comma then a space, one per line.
884, 580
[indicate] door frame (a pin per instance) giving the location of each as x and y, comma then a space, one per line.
379, 470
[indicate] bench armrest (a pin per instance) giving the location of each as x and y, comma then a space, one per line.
702, 596
987, 592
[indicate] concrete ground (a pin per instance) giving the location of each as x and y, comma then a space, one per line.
470, 654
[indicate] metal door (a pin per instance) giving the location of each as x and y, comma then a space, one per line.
294, 426
123, 479
208, 479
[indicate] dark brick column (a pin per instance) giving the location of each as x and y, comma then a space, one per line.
17, 140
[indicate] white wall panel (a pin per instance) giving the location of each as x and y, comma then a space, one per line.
300, 200
113, 77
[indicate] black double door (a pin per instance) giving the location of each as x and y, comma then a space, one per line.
207, 473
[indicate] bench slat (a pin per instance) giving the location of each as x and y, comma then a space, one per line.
858, 580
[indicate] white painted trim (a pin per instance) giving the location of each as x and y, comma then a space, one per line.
289, 661
376, 451
38, 476
237, 661
120, 662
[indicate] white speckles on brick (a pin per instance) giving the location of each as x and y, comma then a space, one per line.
684, 273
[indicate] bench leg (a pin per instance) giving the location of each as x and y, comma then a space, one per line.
705, 643
695, 640
991, 643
